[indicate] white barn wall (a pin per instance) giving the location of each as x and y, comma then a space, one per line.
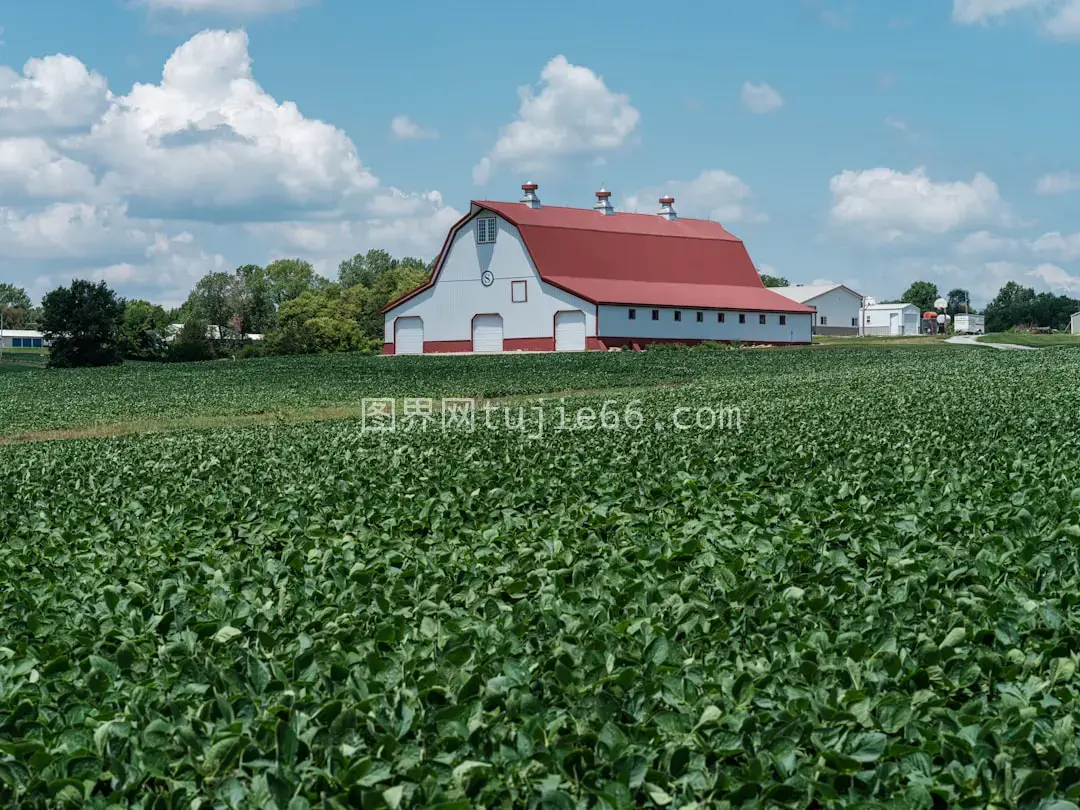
615, 323
837, 309
447, 308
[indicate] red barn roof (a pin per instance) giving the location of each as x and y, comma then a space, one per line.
641, 259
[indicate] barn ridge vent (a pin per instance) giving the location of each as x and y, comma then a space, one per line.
667, 208
603, 202
529, 197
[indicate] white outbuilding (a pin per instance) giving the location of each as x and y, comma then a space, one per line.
22, 339
521, 276
1074, 324
836, 307
890, 319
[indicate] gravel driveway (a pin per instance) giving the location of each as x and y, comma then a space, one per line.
969, 340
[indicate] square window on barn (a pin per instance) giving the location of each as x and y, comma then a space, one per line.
701, 317
824, 321
761, 319
868, 319
631, 314
656, 314
678, 315
742, 318
854, 321
783, 320
486, 230
518, 292
719, 317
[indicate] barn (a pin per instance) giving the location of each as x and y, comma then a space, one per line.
522, 276
836, 307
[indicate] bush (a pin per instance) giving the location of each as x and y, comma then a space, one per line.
250, 350
666, 347
191, 345
713, 346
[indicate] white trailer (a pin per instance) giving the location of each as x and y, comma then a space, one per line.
969, 324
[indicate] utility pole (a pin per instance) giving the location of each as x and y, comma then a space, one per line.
1, 335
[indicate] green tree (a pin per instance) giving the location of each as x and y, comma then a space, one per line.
320, 321
142, 331
210, 301
82, 324
12, 297
1016, 305
364, 268
290, 278
922, 294
251, 300
959, 300
14, 306
774, 281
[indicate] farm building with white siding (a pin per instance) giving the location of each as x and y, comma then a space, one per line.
1074, 323
527, 277
836, 307
22, 339
891, 319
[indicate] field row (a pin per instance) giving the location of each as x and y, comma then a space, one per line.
866, 597
59, 399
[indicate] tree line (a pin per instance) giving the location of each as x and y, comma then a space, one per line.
1014, 307
297, 311
287, 304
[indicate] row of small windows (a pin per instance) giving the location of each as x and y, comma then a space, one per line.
26, 343
762, 319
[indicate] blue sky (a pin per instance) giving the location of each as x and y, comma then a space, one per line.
147, 142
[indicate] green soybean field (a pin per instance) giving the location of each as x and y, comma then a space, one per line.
740, 579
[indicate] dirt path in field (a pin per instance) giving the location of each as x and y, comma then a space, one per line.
969, 340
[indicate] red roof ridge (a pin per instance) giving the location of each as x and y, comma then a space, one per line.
489, 203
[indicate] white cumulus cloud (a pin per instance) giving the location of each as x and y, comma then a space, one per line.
571, 112
713, 194
56, 92
208, 140
73, 231
982, 243
1056, 278
1055, 245
761, 99
404, 128
1058, 18
152, 188
31, 167
978, 11
1059, 183
890, 204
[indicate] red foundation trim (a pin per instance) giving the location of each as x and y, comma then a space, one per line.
547, 344
544, 344
436, 346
